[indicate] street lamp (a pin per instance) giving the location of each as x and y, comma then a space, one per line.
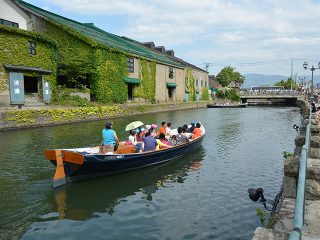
305, 66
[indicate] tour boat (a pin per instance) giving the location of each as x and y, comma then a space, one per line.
83, 163
241, 105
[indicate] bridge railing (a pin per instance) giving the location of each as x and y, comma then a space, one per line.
270, 93
300, 197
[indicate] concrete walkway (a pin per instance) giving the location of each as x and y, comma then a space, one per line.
284, 218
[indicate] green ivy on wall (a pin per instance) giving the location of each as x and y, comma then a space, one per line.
26, 117
82, 60
190, 85
14, 50
147, 76
108, 85
76, 63
205, 94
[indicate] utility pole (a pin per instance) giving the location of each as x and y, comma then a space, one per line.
291, 68
291, 73
207, 65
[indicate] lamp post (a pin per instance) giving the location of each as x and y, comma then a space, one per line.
305, 66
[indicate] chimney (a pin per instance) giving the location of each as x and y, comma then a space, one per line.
89, 24
170, 52
149, 45
161, 49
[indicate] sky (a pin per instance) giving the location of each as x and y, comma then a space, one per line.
254, 36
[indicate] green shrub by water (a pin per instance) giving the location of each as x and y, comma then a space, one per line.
232, 94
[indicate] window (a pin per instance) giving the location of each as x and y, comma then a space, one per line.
197, 83
32, 48
8, 23
130, 65
201, 83
171, 74
205, 83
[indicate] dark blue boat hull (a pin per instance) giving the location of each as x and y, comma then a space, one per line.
101, 164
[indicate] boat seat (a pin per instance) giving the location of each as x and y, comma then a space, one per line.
124, 149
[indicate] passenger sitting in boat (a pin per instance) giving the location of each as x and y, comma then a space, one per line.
168, 129
162, 141
186, 132
150, 143
163, 128
110, 139
140, 133
180, 137
193, 123
186, 129
173, 140
197, 132
133, 140
153, 132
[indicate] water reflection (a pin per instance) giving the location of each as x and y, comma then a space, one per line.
203, 193
83, 200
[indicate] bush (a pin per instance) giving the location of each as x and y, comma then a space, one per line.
65, 99
205, 94
232, 94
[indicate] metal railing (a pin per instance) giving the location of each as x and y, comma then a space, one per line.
270, 93
300, 197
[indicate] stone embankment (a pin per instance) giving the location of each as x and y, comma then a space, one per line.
284, 218
50, 116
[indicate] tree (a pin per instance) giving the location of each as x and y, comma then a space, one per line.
228, 75
287, 84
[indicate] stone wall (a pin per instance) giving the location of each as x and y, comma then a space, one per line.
27, 118
283, 220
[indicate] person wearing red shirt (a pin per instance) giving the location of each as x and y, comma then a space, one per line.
197, 132
163, 128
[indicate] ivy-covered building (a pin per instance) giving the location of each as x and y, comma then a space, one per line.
28, 59
53, 50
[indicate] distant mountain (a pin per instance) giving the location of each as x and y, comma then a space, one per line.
255, 79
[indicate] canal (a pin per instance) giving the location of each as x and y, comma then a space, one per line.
200, 196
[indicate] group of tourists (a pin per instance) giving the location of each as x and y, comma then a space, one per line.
148, 138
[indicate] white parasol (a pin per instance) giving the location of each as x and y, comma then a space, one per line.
134, 125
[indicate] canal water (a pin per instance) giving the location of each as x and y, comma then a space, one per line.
200, 196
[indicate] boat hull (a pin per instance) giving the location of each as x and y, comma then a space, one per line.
96, 165
227, 106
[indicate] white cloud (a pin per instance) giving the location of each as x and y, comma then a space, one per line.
222, 31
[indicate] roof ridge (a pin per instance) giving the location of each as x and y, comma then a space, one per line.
41, 9
101, 36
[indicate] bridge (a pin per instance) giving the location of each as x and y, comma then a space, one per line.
270, 98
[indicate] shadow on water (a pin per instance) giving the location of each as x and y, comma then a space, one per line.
83, 200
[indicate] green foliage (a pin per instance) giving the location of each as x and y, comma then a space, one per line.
229, 93
26, 117
147, 86
205, 94
287, 84
76, 63
263, 215
286, 154
233, 94
14, 50
84, 62
190, 85
108, 85
65, 99
228, 75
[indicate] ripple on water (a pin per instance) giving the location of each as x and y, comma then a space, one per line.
200, 196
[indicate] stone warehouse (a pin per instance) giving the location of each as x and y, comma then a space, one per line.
42, 52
